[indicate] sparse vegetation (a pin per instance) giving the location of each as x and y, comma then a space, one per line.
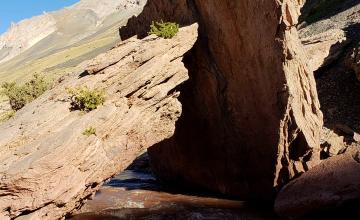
165, 30
84, 99
6, 116
20, 95
89, 131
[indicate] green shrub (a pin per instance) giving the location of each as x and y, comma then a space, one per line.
84, 99
165, 30
6, 116
20, 95
89, 131
17, 95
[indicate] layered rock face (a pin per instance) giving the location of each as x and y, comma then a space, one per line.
251, 118
48, 166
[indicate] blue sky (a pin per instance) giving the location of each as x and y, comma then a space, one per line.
17, 10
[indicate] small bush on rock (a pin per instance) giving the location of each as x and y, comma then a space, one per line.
6, 116
20, 95
165, 30
84, 99
16, 94
89, 131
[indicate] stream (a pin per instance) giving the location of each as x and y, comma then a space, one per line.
137, 195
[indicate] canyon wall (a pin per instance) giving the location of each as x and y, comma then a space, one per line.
251, 118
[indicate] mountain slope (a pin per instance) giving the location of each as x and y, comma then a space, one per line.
70, 36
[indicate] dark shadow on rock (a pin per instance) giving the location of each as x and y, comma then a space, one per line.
189, 123
139, 176
349, 210
140, 164
83, 74
353, 33
315, 10
226, 140
339, 89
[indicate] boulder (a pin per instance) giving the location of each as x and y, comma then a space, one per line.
48, 166
333, 144
356, 137
251, 119
328, 185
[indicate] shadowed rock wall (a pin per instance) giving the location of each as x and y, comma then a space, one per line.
251, 118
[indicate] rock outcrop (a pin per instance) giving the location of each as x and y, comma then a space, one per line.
251, 117
330, 184
327, 29
332, 144
48, 166
325, 48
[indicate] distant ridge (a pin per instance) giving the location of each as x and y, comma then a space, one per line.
75, 22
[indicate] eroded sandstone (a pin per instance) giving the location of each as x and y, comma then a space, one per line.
48, 166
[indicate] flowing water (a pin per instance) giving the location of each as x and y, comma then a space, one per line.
137, 195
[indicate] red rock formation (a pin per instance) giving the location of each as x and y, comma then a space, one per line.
332, 183
251, 118
48, 166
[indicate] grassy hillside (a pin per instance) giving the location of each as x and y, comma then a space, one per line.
57, 63
53, 65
